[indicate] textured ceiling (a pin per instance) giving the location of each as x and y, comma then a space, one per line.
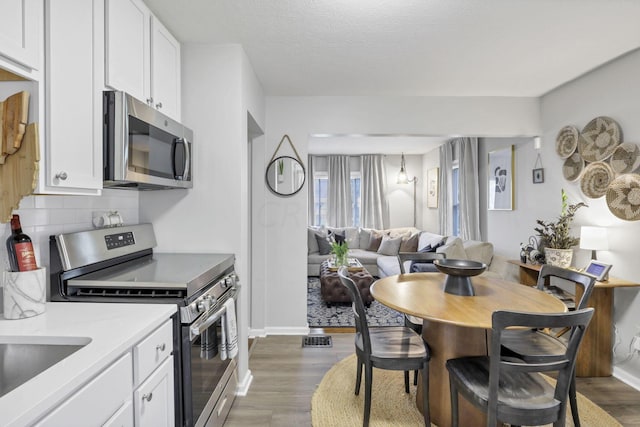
412, 47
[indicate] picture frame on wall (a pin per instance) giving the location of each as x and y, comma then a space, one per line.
432, 188
500, 185
538, 176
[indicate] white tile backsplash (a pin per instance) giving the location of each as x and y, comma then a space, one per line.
42, 216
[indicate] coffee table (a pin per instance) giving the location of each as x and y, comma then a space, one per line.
332, 289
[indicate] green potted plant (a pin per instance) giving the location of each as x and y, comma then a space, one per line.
555, 236
340, 250
281, 170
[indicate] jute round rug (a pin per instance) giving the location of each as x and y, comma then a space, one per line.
334, 404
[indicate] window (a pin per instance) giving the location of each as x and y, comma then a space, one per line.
455, 185
320, 193
320, 188
355, 198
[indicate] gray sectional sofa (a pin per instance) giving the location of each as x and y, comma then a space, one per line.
384, 261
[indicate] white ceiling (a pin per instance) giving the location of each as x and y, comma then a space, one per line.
521, 48
412, 47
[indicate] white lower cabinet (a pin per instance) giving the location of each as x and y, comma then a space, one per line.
96, 402
135, 390
122, 418
153, 400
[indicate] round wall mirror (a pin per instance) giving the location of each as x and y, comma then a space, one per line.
285, 176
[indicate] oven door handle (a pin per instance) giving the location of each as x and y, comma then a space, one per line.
208, 319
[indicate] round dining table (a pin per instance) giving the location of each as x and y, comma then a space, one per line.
456, 326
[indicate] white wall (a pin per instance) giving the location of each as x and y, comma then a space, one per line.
219, 90
612, 91
43, 216
299, 117
400, 196
430, 217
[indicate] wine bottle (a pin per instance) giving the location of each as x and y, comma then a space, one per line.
20, 248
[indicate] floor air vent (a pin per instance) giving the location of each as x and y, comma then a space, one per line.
317, 341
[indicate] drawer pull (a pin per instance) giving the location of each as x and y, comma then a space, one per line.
161, 347
147, 397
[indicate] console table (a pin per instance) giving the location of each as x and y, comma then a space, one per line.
595, 354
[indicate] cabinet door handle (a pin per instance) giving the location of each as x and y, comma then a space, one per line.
159, 105
147, 397
149, 101
161, 347
62, 176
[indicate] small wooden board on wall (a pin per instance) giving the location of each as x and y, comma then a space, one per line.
19, 173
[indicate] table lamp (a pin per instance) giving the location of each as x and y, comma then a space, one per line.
594, 238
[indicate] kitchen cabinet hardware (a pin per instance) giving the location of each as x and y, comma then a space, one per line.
161, 347
159, 105
62, 176
147, 397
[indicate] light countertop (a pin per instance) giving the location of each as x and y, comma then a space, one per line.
112, 328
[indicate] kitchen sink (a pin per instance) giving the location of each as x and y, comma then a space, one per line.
22, 358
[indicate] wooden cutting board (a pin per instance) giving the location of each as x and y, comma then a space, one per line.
19, 173
14, 122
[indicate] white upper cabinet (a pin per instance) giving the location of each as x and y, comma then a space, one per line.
74, 62
165, 70
142, 57
21, 31
127, 41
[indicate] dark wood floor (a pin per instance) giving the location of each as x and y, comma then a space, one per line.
285, 375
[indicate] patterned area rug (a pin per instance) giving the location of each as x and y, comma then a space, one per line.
341, 315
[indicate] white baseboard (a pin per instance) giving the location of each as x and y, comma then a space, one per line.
253, 333
243, 386
626, 377
277, 330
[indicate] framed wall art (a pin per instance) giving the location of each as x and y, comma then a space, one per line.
501, 170
538, 176
432, 188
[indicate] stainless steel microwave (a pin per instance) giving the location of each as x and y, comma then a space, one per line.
143, 149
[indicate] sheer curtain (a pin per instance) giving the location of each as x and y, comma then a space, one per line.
311, 191
445, 201
375, 210
469, 188
339, 192
466, 152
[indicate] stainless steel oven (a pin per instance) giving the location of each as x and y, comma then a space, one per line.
118, 265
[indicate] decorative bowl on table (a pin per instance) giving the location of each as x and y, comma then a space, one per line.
459, 273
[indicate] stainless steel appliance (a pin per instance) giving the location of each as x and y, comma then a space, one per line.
118, 265
142, 148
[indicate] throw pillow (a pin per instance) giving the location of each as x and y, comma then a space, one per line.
374, 242
338, 237
390, 245
423, 267
410, 244
312, 243
434, 247
324, 246
364, 238
454, 249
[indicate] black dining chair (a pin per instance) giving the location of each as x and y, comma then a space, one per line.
393, 348
513, 390
542, 345
413, 322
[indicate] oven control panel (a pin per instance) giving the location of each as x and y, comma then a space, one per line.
213, 298
119, 240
